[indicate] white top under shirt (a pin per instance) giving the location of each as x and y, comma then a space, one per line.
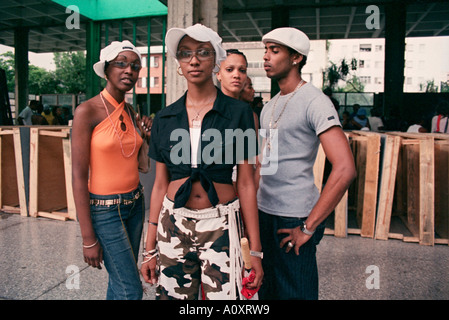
195, 134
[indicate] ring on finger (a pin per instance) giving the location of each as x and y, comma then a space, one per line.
290, 245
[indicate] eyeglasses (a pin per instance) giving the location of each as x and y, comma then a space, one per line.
201, 54
124, 65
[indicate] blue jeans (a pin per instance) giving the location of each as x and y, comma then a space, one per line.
119, 229
286, 275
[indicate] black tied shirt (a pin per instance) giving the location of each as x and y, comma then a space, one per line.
227, 137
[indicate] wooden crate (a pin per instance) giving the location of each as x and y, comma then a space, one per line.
51, 192
402, 187
415, 193
366, 151
389, 165
341, 210
12, 183
442, 189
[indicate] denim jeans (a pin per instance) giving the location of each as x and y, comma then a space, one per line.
119, 229
286, 275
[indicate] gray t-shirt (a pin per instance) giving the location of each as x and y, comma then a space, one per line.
287, 186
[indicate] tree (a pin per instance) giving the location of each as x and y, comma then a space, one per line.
41, 81
429, 86
336, 73
444, 87
7, 64
70, 72
69, 77
353, 85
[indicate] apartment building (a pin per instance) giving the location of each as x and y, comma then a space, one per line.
425, 60
155, 63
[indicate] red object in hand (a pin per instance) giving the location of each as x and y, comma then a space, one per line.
248, 292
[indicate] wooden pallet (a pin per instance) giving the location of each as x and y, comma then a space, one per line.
389, 167
415, 193
12, 184
402, 188
51, 192
341, 210
441, 188
366, 151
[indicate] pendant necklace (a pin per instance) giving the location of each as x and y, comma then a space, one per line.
273, 125
116, 132
196, 122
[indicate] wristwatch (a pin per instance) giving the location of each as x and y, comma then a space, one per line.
306, 231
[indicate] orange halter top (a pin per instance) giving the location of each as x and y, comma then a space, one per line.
114, 147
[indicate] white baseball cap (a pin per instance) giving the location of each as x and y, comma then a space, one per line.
198, 32
290, 37
110, 52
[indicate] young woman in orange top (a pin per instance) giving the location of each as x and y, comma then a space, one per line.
106, 187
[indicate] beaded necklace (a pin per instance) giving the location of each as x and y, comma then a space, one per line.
116, 132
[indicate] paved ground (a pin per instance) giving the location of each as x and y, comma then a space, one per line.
39, 257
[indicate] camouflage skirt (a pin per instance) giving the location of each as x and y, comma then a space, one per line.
199, 247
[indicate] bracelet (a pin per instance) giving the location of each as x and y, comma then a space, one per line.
152, 253
153, 223
148, 253
257, 254
306, 231
91, 246
149, 259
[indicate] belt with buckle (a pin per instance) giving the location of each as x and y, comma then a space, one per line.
112, 202
207, 213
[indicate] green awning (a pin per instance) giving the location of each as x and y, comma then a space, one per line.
116, 9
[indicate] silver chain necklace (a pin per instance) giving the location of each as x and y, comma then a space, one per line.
273, 125
196, 123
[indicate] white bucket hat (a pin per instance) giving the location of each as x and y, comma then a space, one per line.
198, 32
110, 52
290, 37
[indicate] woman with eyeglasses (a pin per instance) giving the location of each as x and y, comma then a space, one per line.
106, 187
194, 226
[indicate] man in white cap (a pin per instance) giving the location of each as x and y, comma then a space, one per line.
291, 209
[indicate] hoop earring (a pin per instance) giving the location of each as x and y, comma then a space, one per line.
179, 72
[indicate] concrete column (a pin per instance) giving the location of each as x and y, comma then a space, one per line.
93, 47
183, 14
21, 68
280, 17
395, 18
